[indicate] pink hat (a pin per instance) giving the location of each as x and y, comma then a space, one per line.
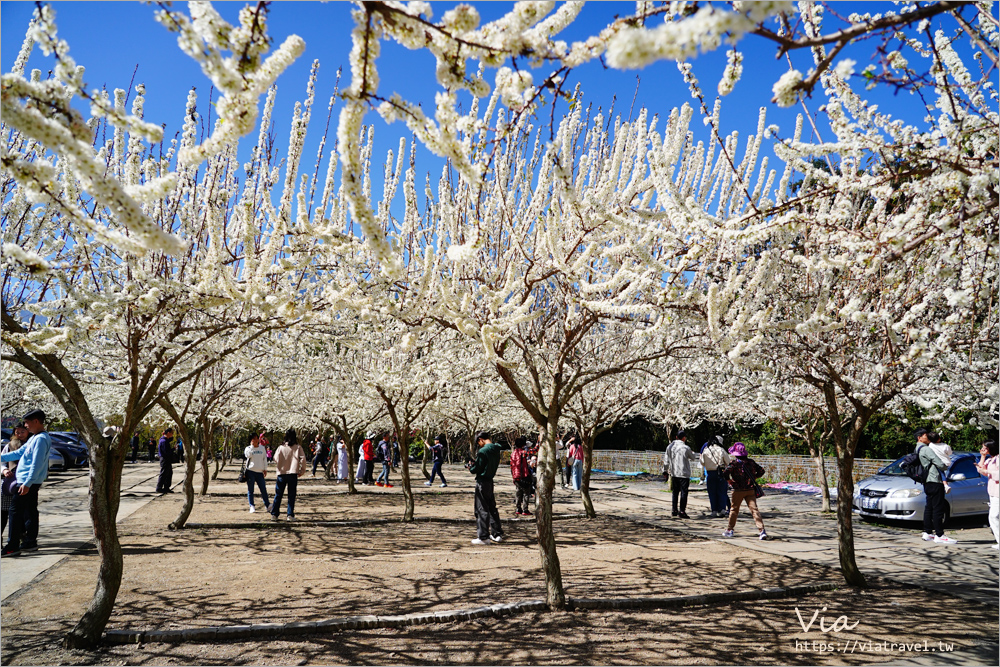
738, 449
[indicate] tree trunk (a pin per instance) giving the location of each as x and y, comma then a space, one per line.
588, 459
845, 526
555, 596
817, 455
404, 472
106, 462
423, 464
206, 448
189, 465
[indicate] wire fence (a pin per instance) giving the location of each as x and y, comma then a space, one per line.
778, 468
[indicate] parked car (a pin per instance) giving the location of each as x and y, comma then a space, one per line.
890, 494
56, 459
68, 444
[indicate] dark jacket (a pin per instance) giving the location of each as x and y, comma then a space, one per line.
742, 473
487, 462
166, 450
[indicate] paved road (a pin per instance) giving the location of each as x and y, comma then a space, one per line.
65, 520
968, 569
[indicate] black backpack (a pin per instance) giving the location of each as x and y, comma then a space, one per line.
379, 454
913, 468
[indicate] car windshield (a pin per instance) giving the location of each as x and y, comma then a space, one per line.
893, 468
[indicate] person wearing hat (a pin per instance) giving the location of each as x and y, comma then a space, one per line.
485, 468
677, 460
437, 454
742, 472
32, 469
166, 450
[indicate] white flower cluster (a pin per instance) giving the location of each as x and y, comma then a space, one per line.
241, 77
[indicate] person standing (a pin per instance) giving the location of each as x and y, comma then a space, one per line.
290, 461
485, 469
677, 459
166, 451
743, 472
437, 460
256, 471
368, 452
574, 456
989, 467
8, 471
31, 472
934, 489
342, 467
521, 473
320, 457
714, 459
384, 454
135, 447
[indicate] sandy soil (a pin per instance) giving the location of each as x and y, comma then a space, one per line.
281, 572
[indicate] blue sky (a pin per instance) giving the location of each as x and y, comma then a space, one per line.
112, 39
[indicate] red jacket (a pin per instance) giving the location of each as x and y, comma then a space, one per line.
519, 464
367, 448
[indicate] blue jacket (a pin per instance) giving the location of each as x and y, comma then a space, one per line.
34, 459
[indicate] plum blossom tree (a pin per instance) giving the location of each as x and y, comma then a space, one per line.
124, 253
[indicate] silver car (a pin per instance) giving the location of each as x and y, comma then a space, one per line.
890, 494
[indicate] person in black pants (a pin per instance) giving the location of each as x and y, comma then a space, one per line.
934, 506
135, 448
485, 469
166, 450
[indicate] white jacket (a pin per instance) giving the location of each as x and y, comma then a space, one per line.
256, 458
714, 457
677, 459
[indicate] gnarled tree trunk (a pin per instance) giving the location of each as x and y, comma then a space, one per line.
547, 462
106, 461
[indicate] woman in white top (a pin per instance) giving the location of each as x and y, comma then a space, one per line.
341, 461
713, 460
361, 463
256, 471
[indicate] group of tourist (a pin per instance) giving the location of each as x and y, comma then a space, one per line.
290, 464
724, 469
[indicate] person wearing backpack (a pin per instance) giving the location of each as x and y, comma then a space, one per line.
934, 490
742, 473
383, 454
521, 473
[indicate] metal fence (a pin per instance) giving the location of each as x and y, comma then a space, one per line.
778, 468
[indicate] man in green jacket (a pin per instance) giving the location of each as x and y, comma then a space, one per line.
485, 468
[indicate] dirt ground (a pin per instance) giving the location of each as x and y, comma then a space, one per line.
270, 572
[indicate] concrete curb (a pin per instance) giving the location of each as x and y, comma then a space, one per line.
353, 523
271, 630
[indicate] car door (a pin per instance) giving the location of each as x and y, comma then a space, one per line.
967, 496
